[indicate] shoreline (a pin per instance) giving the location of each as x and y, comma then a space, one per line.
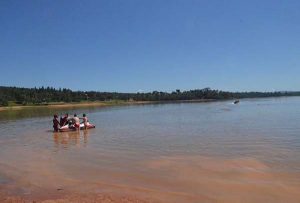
97, 104
59, 105
70, 105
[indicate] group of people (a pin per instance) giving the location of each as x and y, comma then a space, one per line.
71, 121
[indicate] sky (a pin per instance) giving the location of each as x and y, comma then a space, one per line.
146, 45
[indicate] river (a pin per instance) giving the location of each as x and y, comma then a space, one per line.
182, 152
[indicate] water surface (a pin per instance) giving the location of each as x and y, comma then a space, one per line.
183, 152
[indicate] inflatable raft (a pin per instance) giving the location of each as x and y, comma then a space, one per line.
67, 128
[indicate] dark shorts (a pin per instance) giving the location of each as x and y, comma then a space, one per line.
77, 125
55, 128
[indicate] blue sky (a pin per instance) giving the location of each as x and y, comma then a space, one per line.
132, 45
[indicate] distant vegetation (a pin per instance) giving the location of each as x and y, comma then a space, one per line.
40, 96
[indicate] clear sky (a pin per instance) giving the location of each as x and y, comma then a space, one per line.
132, 45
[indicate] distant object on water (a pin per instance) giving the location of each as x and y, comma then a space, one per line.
236, 101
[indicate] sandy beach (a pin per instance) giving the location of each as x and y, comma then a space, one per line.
74, 105
62, 105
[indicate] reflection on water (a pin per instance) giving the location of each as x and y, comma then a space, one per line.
34, 112
170, 153
69, 139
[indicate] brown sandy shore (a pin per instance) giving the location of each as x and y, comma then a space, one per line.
96, 104
71, 105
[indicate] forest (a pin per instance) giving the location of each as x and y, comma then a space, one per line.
45, 95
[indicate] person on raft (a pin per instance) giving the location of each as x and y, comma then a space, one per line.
76, 122
85, 120
64, 120
71, 121
55, 123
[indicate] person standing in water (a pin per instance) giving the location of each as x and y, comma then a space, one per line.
85, 121
76, 122
64, 120
55, 123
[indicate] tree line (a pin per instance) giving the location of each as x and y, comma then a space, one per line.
44, 95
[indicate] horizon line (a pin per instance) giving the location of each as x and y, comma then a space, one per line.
142, 91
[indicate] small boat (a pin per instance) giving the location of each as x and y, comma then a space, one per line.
236, 101
67, 128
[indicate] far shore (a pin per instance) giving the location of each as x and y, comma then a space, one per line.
96, 104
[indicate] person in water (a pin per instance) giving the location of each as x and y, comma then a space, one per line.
85, 120
64, 120
76, 122
55, 123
